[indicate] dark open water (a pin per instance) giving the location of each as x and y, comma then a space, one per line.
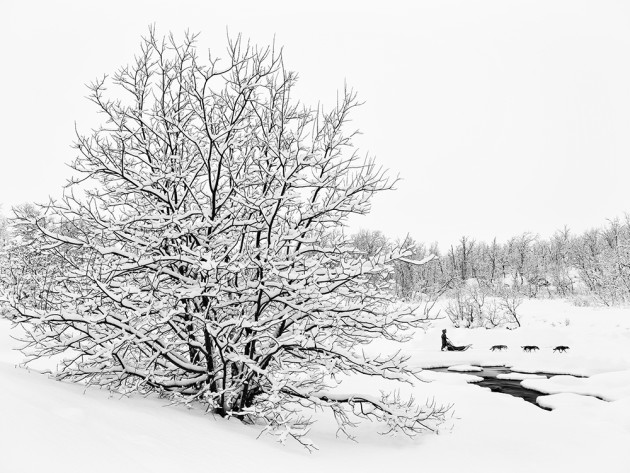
506, 386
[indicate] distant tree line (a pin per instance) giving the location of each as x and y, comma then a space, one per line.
596, 263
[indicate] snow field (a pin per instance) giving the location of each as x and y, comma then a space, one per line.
60, 427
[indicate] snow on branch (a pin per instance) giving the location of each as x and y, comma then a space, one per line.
196, 252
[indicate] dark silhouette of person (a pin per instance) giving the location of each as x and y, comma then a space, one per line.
448, 346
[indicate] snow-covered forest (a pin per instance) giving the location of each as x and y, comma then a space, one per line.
594, 264
224, 280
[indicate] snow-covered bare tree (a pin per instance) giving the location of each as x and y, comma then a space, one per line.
4, 231
195, 252
560, 267
372, 242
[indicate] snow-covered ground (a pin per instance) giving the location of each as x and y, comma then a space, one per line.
59, 427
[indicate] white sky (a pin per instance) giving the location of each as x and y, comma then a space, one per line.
500, 116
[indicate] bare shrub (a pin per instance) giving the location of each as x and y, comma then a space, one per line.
509, 302
475, 306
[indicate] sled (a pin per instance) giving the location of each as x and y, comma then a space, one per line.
454, 348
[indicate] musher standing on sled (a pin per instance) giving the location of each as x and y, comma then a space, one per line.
448, 346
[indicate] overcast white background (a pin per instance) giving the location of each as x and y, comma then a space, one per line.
500, 116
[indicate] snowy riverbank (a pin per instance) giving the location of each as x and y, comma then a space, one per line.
54, 427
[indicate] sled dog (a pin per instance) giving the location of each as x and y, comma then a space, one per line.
529, 348
561, 349
498, 347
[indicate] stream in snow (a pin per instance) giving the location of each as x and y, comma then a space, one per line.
494, 377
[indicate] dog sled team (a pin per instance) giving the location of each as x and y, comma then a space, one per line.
447, 345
